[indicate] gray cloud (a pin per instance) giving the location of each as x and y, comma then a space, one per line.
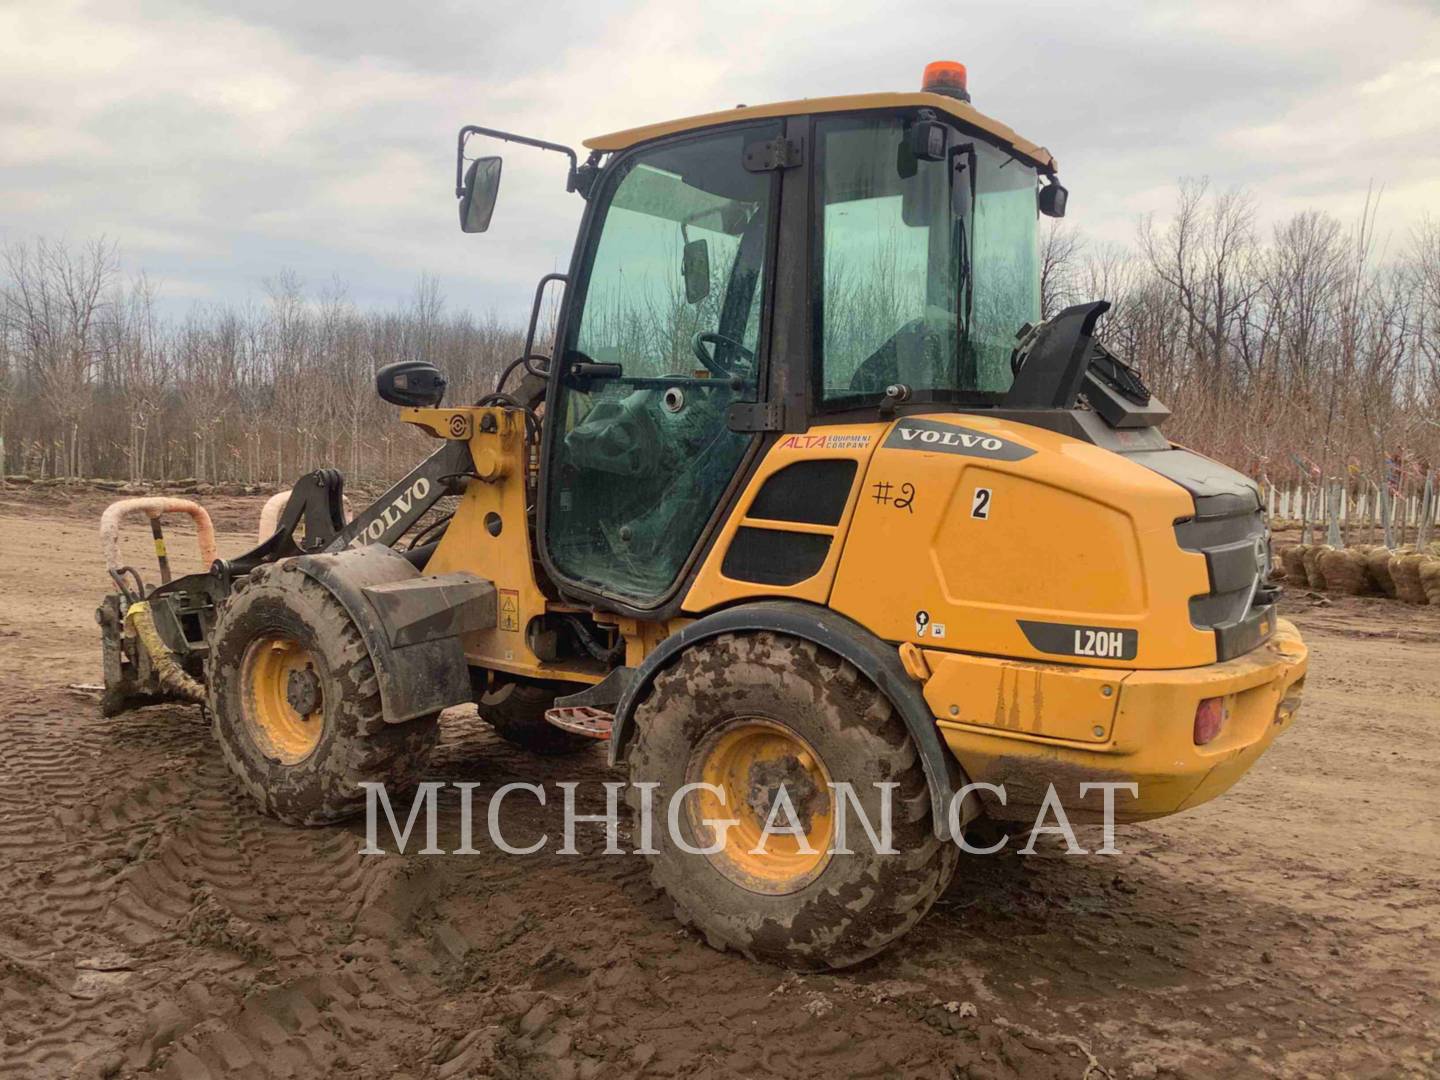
219, 142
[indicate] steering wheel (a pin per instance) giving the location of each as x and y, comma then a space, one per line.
707, 357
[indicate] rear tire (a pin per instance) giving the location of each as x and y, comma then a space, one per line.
750, 713
295, 704
517, 713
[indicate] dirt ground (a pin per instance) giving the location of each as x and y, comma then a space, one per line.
151, 921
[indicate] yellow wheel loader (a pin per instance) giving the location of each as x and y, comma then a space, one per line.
808, 511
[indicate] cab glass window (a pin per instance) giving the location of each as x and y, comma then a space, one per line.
927, 269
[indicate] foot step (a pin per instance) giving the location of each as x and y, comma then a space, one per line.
582, 720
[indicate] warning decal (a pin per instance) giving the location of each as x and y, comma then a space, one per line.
509, 609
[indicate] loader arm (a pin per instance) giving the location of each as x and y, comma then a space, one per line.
182, 612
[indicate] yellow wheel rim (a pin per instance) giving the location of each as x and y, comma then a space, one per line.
284, 707
749, 760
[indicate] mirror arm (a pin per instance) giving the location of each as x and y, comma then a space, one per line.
571, 181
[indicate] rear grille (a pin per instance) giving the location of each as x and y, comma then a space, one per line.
1230, 531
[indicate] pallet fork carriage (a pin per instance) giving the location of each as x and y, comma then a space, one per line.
764, 535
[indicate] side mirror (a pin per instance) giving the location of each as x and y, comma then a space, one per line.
410, 382
695, 269
1052, 200
925, 140
482, 184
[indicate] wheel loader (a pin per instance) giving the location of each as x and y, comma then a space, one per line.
806, 495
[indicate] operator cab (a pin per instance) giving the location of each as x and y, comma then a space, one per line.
756, 272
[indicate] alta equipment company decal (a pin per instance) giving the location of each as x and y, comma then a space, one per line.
916, 434
825, 442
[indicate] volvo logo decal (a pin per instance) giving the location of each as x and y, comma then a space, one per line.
929, 435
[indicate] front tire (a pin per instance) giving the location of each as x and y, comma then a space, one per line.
751, 714
295, 705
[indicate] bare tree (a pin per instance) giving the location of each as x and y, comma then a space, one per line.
53, 303
1061, 247
1206, 257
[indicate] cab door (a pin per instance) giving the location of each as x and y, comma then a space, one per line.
663, 334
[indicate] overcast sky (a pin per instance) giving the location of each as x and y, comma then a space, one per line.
219, 142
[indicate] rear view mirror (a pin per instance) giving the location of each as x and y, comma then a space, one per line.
410, 382
482, 184
695, 269
925, 140
1052, 200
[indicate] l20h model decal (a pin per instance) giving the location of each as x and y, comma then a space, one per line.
1066, 639
917, 434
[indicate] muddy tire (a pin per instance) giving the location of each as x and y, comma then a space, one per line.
756, 712
295, 705
517, 713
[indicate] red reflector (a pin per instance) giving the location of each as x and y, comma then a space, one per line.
1209, 716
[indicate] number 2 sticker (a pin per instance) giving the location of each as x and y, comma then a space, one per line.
980, 504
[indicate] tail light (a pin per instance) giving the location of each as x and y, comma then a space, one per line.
1209, 718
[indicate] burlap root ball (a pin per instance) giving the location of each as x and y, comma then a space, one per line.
1378, 563
1430, 580
1313, 577
1405, 571
1292, 560
1344, 571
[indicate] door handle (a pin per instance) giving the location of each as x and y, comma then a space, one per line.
589, 369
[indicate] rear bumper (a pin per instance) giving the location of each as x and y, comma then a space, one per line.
1026, 726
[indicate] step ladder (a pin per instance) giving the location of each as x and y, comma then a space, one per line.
582, 720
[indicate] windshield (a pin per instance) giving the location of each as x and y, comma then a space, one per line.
680, 253
927, 268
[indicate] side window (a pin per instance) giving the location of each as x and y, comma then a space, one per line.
888, 258
926, 269
673, 294
1007, 263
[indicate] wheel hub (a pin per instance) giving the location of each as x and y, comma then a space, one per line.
748, 762
302, 690
282, 698
767, 778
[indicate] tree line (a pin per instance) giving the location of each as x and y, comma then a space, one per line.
1305, 351
1307, 354
95, 382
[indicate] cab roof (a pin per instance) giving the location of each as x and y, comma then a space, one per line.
960, 110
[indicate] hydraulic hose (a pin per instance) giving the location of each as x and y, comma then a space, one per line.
167, 667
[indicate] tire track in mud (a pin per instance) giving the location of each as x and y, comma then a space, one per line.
73, 818
278, 952
231, 882
149, 861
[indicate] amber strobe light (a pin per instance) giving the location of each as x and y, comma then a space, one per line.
946, 77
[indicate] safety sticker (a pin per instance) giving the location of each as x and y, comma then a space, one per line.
509, 609
922, 622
